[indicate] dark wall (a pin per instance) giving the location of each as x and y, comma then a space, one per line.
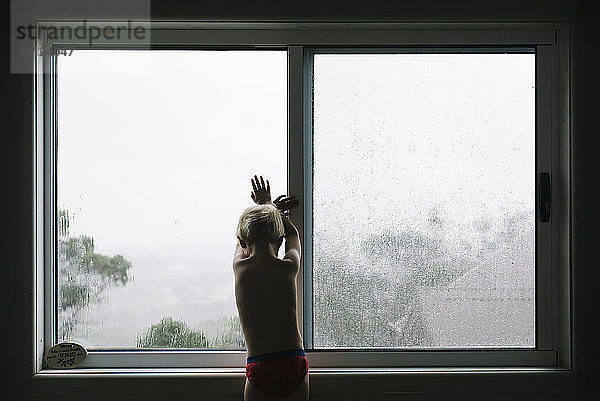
380, 10
585, 177
583, 18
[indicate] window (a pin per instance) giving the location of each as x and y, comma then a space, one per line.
417, 154
424, 200
155, 150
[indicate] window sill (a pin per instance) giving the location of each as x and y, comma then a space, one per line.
220, 372
225, 382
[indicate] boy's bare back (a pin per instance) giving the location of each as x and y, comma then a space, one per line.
265, 289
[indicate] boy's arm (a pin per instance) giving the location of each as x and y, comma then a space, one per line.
292, 242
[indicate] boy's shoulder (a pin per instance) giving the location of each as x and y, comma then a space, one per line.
250, 263
292, 258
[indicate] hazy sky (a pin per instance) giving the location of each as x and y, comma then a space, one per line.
156, 149
398, 134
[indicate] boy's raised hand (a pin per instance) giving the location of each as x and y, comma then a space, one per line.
261, 193
285, 203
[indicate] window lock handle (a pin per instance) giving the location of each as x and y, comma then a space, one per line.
545, 197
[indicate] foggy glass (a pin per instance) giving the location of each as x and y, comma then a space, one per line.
424, 222
155, 151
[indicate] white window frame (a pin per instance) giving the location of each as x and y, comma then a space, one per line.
302, 40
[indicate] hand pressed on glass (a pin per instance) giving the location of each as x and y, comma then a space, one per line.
285, 203
261, 193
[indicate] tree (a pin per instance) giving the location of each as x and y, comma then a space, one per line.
83, 275
170, 333
379, 304
231, 335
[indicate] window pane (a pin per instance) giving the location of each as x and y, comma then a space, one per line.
424, 190
155, 154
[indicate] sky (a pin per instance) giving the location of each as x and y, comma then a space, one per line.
150, 154
156, 150
399, 134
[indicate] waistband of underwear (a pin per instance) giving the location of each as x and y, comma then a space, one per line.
275, 355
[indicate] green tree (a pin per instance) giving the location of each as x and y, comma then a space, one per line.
380, 305
170, 333
83, 275
230, 335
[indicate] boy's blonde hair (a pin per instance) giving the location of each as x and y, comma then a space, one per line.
260, 224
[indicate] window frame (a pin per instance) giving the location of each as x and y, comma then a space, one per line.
542, 233
553, 322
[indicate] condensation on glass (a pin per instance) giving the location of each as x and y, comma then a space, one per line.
424, 229
155, 150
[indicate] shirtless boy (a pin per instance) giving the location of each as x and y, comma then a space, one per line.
265, 293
